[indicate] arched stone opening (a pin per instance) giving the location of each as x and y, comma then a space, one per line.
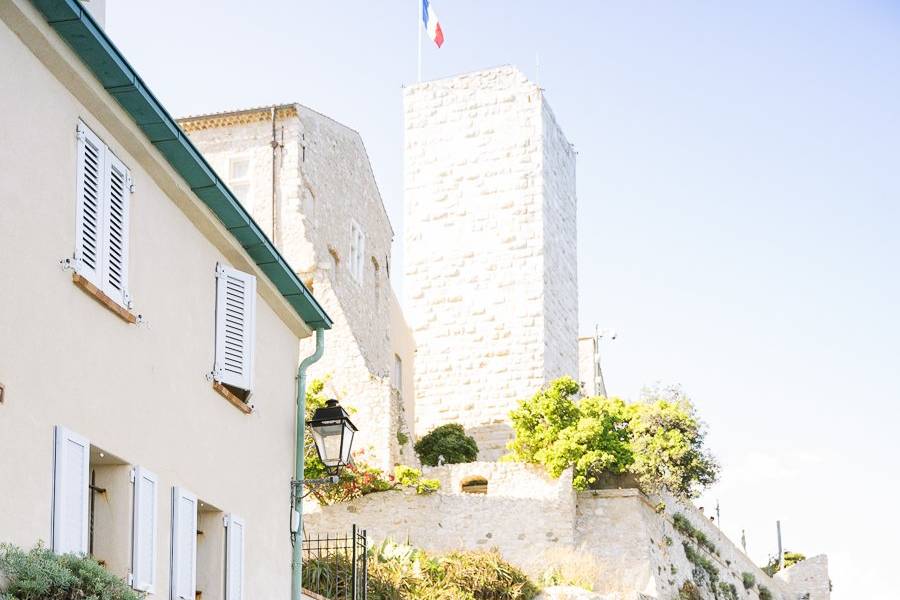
475, 484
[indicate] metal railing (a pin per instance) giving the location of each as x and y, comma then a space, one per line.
336, 566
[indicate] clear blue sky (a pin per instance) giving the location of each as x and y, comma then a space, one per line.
739, 203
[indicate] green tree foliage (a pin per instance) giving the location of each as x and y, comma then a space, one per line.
790, 559
39, 574
449, 441
667, 441
659, 441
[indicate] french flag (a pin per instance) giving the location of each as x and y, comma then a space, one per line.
432, 26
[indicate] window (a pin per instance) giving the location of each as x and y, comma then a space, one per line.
239, 177
144, 526
475, 485
98, 501
207, 550
183, 579
103, 195
357, 251
71, 503
235, 325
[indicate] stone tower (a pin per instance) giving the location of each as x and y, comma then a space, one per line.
490, 249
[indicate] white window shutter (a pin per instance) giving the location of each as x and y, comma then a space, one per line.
71, 463
184, 544
89, 226
234, 558
115, 230
235, 325
143, 551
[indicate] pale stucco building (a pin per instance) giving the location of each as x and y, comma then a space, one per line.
307, 180
149, 330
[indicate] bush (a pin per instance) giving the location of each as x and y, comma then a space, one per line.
728, 591
689, 591
764, 593
749, 580
686, 528
39, 574
399, 572
790, 559
410, 477
659, 441
449, 441
565, 566
705, 572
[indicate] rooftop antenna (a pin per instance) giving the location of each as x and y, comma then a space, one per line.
599, 382
780, 550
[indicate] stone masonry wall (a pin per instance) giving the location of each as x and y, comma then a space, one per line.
323, 182
640, 551
488, 332
625, 537
560, 250
523, 529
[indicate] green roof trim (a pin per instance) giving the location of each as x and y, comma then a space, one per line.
78, 28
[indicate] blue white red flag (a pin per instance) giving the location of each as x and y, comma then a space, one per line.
432, 26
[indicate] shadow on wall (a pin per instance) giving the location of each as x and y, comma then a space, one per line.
491, 439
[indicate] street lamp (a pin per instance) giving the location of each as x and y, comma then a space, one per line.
332, 431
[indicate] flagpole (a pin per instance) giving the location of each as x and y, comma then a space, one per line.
419, 29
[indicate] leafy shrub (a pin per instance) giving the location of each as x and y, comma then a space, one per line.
764, 593
410, 477
39, 574
689, 591
728, 591
659, 441
354, 481
685, 527
449, 441
398, 572
749, 580
565, 566
790, 559
705, 572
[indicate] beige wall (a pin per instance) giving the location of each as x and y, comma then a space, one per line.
139, 392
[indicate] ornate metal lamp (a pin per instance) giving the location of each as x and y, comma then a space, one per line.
332, 431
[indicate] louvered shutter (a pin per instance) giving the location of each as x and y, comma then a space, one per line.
115, 229
71, 462
184, 544
235, 324
90, 184
234, 558
143, 551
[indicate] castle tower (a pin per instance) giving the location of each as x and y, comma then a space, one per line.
490, 249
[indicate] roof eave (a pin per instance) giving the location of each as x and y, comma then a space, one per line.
92, 46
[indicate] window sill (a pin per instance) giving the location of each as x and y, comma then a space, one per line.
231, 397
103, 299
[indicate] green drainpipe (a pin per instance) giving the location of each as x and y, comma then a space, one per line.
297, 487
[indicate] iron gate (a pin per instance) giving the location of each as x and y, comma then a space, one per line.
336, 566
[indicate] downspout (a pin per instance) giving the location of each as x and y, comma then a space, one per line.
299, 467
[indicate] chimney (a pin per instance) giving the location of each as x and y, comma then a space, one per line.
97, 8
